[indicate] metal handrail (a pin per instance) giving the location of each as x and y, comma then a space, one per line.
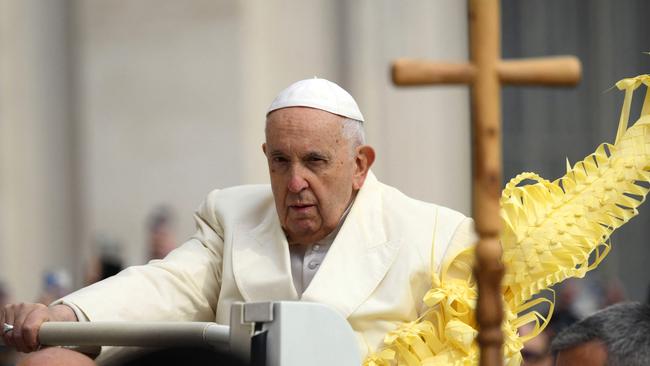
141, 334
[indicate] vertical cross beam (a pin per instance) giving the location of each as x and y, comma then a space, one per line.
485, 73
485, 51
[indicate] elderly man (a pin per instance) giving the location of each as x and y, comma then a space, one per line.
325, 230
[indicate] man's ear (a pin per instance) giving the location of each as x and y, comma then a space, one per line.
363, 161
264, 148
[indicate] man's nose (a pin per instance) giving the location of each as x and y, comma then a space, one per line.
297, 181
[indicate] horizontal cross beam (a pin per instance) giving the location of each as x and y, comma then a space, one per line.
542, 71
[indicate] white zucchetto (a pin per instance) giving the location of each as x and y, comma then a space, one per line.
320, 94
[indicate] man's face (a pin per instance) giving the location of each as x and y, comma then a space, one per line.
314, 172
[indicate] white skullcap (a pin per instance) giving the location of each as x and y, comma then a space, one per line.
320, 94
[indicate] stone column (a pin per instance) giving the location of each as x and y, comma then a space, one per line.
422, 135
38, 185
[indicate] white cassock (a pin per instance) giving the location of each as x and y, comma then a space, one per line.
374, 274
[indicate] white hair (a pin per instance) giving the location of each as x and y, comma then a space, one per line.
354, 132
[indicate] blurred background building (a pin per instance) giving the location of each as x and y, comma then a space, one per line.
111, 108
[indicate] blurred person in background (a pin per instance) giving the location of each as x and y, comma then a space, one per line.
106, 264
4, 294
614, 292
56, 284
160, 230
564, 314
537, 351
618, 335
7, 355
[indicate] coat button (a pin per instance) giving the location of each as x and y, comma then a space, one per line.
313, 265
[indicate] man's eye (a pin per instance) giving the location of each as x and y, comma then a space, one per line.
279, 159
316, 160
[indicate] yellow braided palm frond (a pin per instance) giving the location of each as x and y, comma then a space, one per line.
551, 229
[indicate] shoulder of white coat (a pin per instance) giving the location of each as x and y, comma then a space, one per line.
445, 219
237, 203
429, 225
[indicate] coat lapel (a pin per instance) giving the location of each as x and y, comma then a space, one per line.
359, 257
261, 263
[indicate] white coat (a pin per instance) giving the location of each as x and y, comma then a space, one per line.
375, 273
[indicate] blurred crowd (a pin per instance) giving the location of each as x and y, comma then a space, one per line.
107, 261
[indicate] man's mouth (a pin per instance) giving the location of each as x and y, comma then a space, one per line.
301, 207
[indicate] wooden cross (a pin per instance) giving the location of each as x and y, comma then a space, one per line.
485, 73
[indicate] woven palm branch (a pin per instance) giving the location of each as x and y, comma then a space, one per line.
552, 231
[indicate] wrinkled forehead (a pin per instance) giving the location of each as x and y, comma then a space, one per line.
300, 129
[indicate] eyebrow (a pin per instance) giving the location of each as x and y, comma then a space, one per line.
308, 155
315, 154
277, 153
